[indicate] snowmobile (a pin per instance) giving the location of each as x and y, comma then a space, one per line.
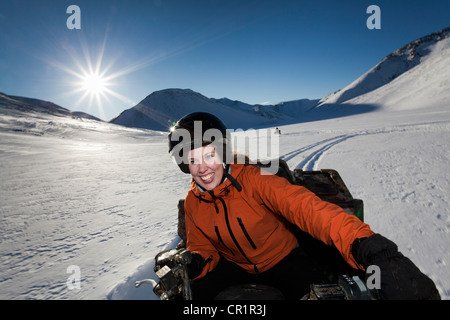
344, 282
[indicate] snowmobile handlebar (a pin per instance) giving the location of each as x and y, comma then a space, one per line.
346, 288
171, 270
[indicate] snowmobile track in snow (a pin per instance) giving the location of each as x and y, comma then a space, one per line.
311, 161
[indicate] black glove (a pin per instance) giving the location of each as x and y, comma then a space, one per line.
196, 266
400, 278
168, 257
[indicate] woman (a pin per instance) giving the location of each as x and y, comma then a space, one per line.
237, 232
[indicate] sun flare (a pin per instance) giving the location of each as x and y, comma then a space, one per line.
94, 83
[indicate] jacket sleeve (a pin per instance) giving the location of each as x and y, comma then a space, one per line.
197, 242
322, 220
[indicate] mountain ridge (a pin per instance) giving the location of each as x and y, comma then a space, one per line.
389, 68
336, 104
20, 106
160, 109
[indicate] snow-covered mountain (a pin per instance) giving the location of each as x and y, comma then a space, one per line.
407, 73
419, 52
22, 106
426, 85
278, 112
160, 109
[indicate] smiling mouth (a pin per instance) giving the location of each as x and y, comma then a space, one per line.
207, 178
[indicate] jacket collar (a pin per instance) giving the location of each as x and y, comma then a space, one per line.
223, 188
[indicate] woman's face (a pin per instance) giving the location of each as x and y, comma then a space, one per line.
205, 167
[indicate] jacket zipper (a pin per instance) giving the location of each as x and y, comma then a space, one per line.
255, 266
216, 228
246, 233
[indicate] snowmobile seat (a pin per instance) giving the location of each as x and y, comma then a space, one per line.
328, 185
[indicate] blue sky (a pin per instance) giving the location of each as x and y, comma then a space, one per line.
254, 51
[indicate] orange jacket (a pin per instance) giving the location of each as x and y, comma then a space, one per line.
245, 226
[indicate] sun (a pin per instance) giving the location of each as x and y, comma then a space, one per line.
94, 84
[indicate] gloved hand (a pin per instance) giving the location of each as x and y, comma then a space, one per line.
171, 257
400, 278
196, 266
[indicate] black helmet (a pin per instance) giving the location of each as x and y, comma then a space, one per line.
196, 130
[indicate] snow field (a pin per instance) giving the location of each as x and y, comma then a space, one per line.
104, 198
